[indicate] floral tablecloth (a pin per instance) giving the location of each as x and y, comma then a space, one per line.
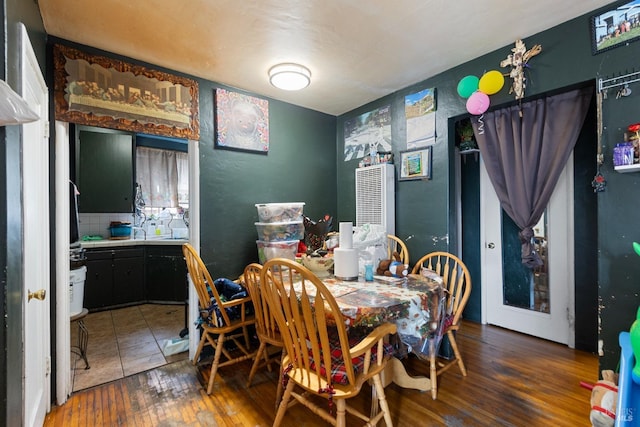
415, 304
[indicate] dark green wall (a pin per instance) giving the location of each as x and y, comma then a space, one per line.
300, 167
425, 210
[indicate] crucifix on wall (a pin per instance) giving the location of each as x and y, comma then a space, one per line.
518, 60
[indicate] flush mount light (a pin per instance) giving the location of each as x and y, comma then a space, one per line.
289, 76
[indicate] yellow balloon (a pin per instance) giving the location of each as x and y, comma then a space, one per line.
491, 82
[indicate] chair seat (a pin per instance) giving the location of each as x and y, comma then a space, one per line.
338, 372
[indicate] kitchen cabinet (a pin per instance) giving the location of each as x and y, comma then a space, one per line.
166, 274
104, 170
115, 277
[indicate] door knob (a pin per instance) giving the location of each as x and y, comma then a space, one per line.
491, 245
39, 295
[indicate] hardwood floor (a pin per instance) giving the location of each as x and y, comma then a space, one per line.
513, 380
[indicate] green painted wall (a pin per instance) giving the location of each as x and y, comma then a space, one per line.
300, 167
425, 210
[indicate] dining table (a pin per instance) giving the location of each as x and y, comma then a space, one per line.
416, 304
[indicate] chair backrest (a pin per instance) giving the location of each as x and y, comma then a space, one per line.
303, 315
456, 280
395, 244
266, 326
207, 292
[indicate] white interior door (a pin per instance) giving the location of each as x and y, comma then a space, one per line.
35, 200
542, 313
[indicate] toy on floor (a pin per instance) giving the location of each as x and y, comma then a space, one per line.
604, 398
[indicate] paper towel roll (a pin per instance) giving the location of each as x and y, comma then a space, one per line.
346, 235
345, 263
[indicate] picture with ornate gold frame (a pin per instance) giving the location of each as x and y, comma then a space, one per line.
99, 91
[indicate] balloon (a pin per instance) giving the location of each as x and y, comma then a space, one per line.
467, 86
478, 103
491, 82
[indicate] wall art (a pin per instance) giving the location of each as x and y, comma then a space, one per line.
420, 113
242, 122
615, 27
415, 164
368, 134
99, 91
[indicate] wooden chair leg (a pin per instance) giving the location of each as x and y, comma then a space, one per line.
382, 400
282, 408
203, 339
247, 343
216, 362
433, 376
341, 413
279, 386
254, 368
456, 352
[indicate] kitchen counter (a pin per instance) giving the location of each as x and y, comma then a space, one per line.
108, 243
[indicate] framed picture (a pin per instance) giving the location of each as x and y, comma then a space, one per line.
99, 91
415, 164
615, 27
242, 122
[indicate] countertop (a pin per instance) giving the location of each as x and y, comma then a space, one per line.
108, 243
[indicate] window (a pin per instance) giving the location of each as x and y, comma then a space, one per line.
163, 177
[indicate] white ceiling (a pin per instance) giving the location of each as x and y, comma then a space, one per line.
357, 50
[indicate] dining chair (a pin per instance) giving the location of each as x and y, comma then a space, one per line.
321, 359
266, 327
221, 319
395, 244
457, 285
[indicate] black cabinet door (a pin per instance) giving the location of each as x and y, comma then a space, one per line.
128, 280
98, 287
166, 270
105, 171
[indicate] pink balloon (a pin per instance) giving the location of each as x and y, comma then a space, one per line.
478, 103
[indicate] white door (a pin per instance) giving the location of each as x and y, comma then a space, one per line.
532, 302
35, 199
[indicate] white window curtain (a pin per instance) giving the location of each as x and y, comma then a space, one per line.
182, 162
157, 174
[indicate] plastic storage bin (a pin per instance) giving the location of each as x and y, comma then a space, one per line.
77, 278
280, 212
280, 231
269, 250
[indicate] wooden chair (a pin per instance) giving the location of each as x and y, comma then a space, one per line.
395, 244
457, 283
217, 323
266, 327
320, 358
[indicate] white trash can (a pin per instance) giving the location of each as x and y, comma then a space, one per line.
76, 290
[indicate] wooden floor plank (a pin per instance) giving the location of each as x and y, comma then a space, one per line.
513, 380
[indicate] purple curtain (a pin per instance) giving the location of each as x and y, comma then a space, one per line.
525, 149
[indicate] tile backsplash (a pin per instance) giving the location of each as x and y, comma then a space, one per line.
93, 224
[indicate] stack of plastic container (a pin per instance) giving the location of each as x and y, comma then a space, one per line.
280, 230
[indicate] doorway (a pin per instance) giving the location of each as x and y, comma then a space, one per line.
535, 302
584, 322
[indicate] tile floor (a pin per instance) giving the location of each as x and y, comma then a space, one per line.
126, 341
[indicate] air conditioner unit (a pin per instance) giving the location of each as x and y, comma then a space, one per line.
375, 196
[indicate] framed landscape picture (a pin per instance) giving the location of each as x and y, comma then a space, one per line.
415, 164
615, 27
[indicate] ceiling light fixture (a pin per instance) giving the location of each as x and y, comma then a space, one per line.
289, 76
